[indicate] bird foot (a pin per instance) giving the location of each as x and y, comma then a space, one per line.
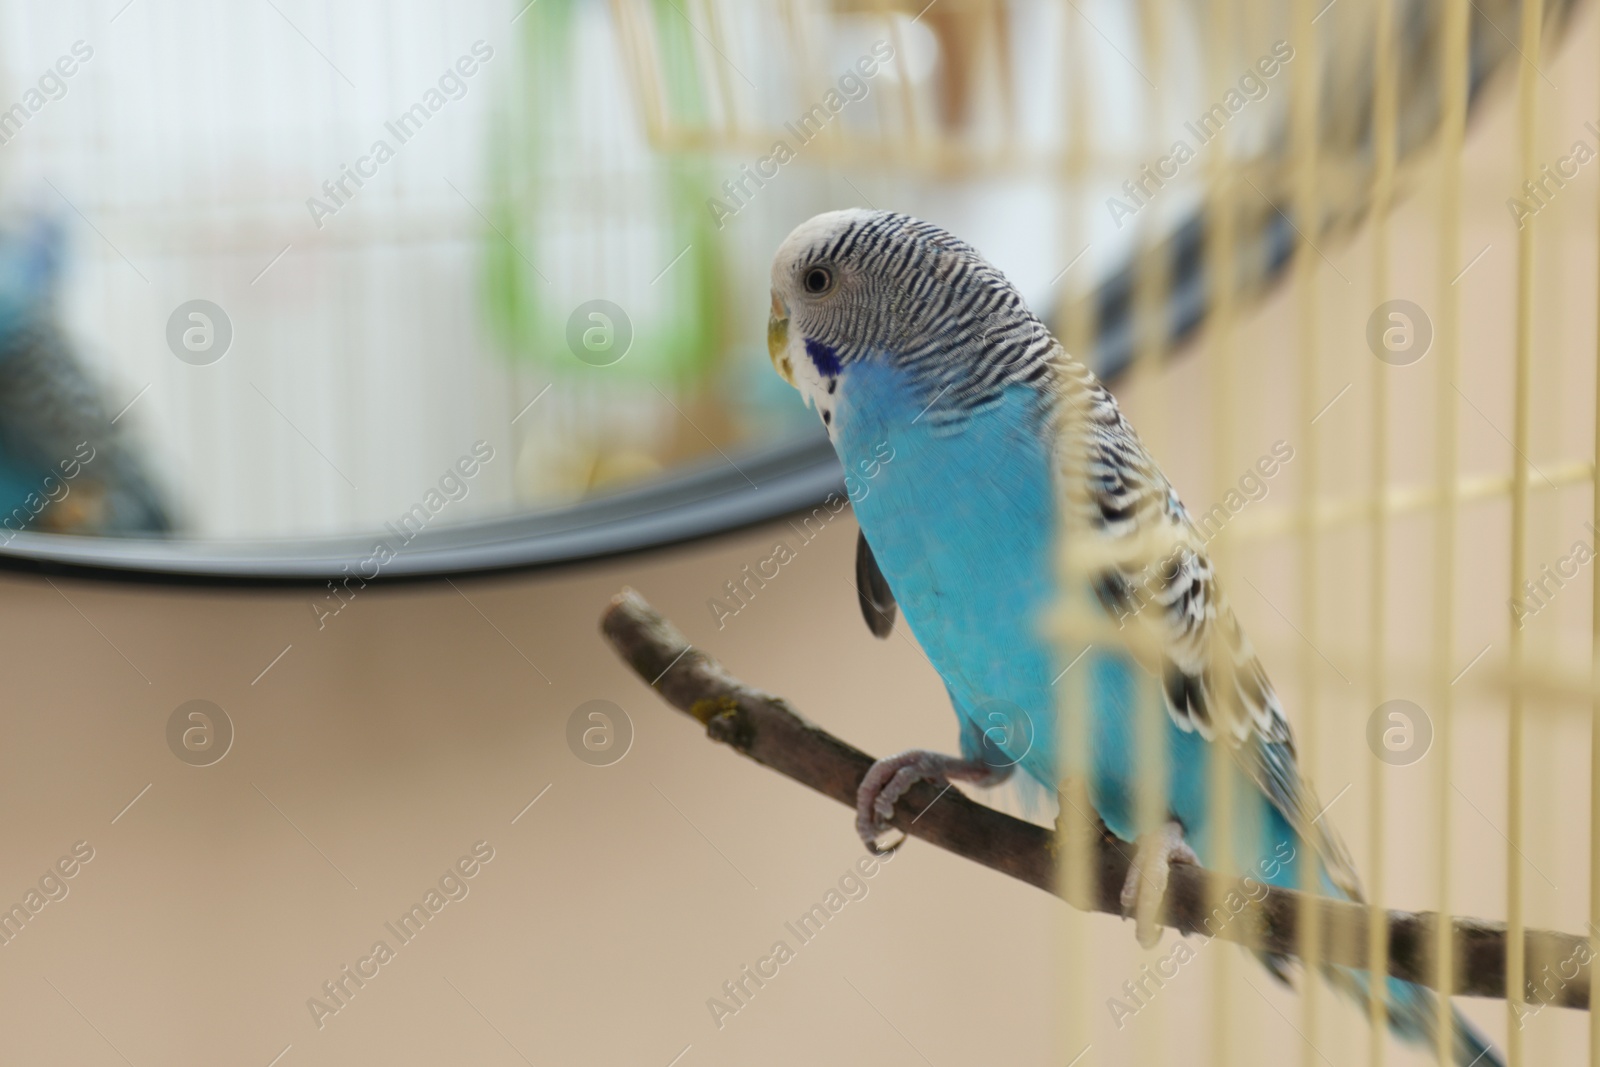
889, 779
1146, 884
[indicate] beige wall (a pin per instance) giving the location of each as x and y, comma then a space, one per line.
408, 730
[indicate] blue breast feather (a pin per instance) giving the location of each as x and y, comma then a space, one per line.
963, 525
962, 522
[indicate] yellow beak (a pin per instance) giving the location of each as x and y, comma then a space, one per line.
778, 339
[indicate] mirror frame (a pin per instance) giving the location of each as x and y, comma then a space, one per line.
687, 505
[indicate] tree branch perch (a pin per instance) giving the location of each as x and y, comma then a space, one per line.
765, 729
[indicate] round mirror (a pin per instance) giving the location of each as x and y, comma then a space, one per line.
477, 287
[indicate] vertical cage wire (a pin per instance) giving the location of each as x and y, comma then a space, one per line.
1594, 674
1072, 729
1306, 204
1146, 391
1383, 108
1406, 488
1516, 962
1453, 91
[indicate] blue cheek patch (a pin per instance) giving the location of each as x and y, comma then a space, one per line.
824, 358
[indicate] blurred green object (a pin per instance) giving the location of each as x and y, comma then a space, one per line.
585, 210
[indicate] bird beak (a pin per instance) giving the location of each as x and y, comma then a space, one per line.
778, 339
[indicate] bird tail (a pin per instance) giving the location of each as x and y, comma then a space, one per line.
1414, 1016
1412, 1010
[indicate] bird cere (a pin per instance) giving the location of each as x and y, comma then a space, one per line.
1253, 85
851, 87
876, 317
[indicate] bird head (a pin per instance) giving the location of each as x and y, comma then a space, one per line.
855, 286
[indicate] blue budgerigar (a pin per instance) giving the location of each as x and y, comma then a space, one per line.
65, 464
899, 333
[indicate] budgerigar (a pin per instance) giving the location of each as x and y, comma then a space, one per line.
899, 333
65, 466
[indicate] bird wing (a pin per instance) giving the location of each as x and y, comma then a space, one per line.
1151, 571
872, 590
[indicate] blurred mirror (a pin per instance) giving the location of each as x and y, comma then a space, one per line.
292, 270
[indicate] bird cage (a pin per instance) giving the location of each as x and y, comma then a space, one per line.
1312, 245
1315, 248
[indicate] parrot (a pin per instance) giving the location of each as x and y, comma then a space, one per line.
895, 331
65, 466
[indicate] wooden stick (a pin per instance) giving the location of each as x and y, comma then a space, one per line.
765, 729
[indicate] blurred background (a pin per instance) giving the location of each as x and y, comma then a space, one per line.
278, 340
368, 330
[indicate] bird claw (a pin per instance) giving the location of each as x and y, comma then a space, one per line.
890, 778
1146, 885
883, 850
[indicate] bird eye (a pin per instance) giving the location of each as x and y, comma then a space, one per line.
818, 280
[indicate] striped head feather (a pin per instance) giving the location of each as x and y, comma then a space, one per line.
857, 285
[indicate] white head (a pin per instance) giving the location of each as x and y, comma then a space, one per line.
857, 285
